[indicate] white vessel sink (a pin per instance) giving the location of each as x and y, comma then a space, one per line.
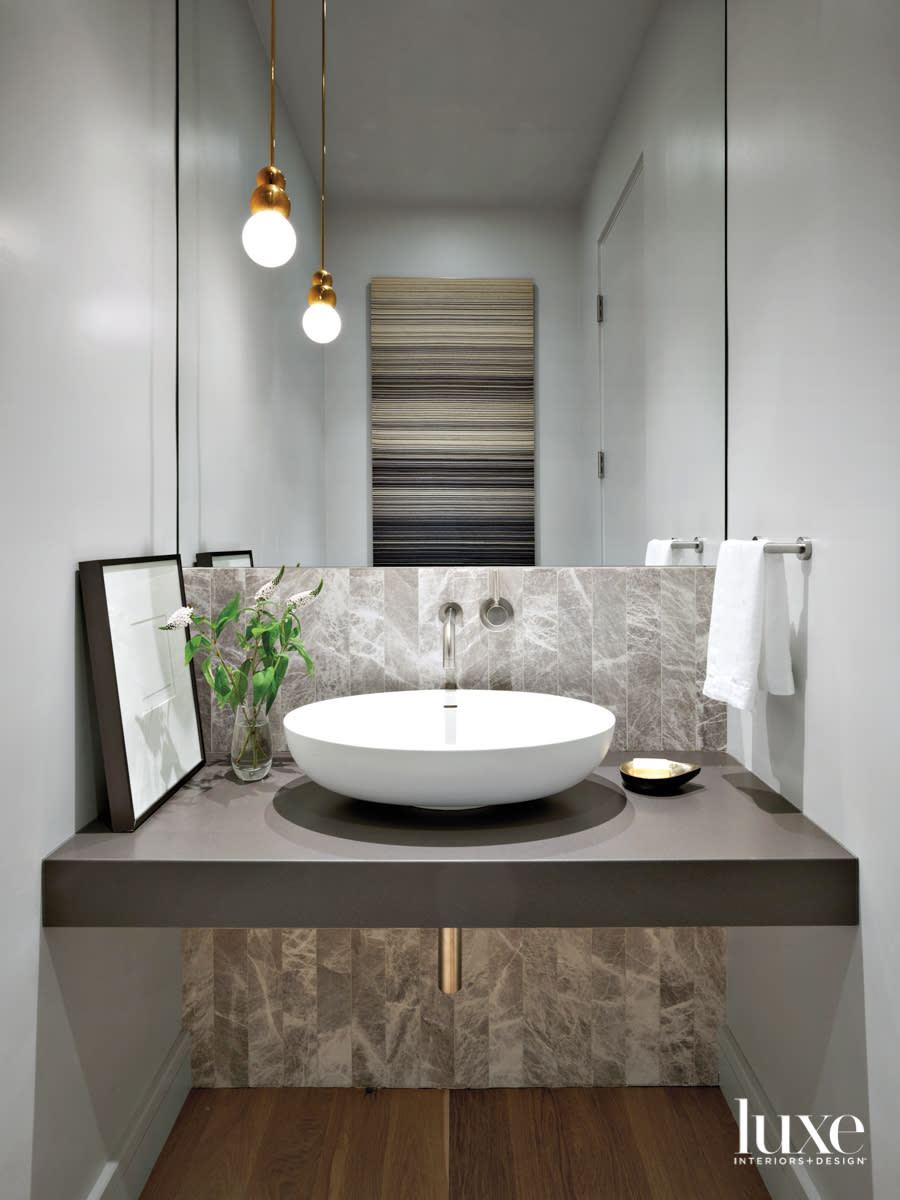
449, 749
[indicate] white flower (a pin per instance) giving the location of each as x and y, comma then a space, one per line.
265, 591
300, 598
179, 619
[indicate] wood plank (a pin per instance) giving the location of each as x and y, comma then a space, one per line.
481, 1162
171, 1168
717, 1133
287, 1157
415, 1153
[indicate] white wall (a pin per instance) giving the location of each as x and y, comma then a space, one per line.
814, 259
87, 313
538, 245
251, 383
673, 114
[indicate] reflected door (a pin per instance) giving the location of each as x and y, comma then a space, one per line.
623, 377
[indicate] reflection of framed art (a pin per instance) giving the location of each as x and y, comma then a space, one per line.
145, 694
224, 558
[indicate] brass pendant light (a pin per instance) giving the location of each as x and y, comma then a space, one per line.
321, 321
268, 235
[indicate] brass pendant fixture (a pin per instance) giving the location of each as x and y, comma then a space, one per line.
268, 234
321, 321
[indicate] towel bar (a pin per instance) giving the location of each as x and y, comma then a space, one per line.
693, 544
802, 547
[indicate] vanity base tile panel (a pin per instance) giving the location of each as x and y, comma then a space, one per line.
537, 1008
630, 638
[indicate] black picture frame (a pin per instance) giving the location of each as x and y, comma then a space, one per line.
207, 558
125, 651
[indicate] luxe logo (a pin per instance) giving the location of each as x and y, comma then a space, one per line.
822, 1139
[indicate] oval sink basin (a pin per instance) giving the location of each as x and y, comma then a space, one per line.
446, 749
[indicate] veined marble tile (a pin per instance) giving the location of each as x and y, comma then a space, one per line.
608, 1043
299, 1007
367, 948
471, 1025
366, 630
505, 1037
467, 587
641, 1007
506, 663
402, 1021
265, 1051
712, 729
709, 1001
230, 998
610, 659
436, 1018
576, 621
542, 1030
540, 625
197, 1003
678, 615
573, 1008
677, 956
401, 628
328, 634
334, 1008
644, 707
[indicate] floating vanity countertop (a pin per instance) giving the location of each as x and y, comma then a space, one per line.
286, 852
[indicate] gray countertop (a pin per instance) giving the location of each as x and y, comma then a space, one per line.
726, 850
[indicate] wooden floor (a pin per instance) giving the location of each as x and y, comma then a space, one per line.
523, 1144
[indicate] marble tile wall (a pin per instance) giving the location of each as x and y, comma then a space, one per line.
630, 638
538, 1008
338, 1007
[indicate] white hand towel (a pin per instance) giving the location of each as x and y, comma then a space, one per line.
748, 637
659, 553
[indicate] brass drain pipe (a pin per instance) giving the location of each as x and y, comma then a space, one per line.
449, 960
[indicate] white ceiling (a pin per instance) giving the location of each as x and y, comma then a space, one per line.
457, 102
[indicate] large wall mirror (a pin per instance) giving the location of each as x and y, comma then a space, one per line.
581, 146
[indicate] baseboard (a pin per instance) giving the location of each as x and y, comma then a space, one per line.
738, 1079
124, 1177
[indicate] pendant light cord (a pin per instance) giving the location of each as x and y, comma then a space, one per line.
322, 224
272, 93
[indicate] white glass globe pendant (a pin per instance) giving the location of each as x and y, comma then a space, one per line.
322, 321
268, 235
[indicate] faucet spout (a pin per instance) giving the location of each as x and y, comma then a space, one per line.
448, 613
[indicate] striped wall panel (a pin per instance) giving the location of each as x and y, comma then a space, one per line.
452, 421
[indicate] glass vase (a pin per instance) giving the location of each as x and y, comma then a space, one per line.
251, 743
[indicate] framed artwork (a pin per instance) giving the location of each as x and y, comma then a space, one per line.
452, 375
224, 558
145, 694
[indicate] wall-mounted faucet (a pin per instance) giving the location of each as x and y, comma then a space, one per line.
449, 614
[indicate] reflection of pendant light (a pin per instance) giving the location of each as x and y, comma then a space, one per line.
268, 235
321, 321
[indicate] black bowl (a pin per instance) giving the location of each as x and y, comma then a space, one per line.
656, 776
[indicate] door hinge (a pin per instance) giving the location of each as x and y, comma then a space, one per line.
599, 310
601, 464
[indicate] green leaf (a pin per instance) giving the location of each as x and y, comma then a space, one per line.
193, 645
207, 669
278, 578
240, 683
228, 613
262, 682
222, 684
309, 663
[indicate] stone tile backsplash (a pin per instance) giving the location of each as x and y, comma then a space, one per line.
538, 1007
630, 638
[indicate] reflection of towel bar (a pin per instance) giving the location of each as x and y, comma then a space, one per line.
693, 544
802, 547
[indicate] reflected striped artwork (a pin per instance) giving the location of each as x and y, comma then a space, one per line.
452, 421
